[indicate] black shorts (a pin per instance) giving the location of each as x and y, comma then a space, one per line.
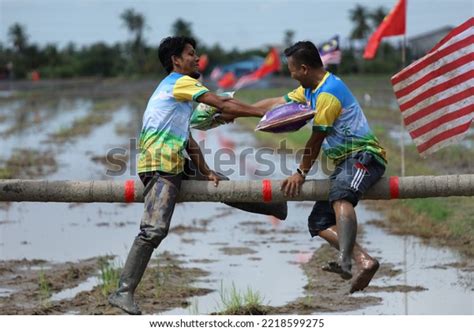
351, 179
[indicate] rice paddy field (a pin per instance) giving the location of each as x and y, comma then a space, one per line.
65, 258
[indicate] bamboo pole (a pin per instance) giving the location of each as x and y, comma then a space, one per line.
230, 191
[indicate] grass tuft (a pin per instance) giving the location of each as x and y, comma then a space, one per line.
44, 289
233, 302
109, 277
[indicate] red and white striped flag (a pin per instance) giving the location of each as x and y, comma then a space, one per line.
436, 92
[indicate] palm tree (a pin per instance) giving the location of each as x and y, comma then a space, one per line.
377, 16
288, 38
18, 37
182, 28
135, 23
359, 16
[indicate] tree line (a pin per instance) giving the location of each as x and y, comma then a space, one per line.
134, 58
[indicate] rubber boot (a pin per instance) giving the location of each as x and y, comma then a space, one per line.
276, 209
132, 273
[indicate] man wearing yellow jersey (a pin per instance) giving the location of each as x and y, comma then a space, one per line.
341, 130
164, 140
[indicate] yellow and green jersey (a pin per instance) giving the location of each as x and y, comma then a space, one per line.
339, 115
165, 130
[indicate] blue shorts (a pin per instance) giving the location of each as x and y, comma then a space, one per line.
349, 181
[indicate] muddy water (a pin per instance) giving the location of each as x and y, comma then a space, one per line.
36, 123
237, 248
442, 288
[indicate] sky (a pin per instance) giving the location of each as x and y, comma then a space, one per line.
242, 24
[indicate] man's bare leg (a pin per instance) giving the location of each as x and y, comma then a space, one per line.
346, 223
367, 266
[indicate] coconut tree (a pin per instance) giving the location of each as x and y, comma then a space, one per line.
18, 37
135, 23
288, 38
359, 16
182, 28
377, 16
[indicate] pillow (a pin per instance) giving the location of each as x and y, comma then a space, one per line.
206, 117
286, 118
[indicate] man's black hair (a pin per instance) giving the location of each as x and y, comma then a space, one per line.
172, 46
305, 52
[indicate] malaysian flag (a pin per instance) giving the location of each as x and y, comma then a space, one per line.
330, 52
216, 74
436, 93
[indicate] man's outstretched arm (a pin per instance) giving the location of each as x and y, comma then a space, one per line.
231, 106
269, 103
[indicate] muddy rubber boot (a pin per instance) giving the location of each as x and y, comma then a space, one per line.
137, 260
276, 209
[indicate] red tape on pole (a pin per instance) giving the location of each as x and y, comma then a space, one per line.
267, 190
394, 187
129, 191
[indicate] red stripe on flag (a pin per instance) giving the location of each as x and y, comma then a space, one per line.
457, 30
129, 191
438, 88
442, 120
267, 190
430, 59
439, 104
443, 136
394, 187
434, 74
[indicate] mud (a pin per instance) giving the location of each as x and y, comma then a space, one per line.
205, 261
127, 129
254, 258
28, 163
27, 286
419, 226
251, 223
266, 231
396, 288
27, 116
107, 161
327, 292
80, 127
182, 229
30, 295
237, 250
113, 162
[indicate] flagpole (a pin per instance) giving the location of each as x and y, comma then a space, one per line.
402, 131
402, 150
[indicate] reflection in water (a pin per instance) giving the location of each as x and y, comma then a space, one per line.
70, 293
